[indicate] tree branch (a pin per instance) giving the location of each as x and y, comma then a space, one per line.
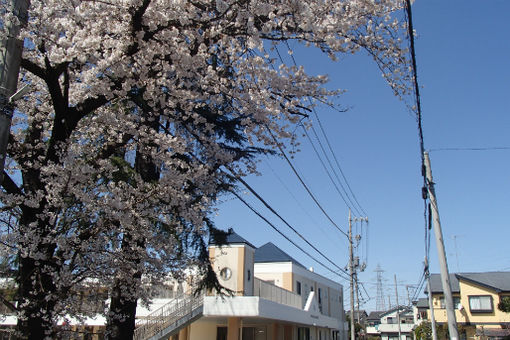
10, 186
33, 68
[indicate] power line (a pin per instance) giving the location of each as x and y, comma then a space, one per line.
319, 226
473, 149
268, 206
305, 186
336, 161
285, 236
357, 207
326, 169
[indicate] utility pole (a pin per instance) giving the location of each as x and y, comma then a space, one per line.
445, 276
351, 272
408, 296
431, 305
357, 296
10, 60
398, 310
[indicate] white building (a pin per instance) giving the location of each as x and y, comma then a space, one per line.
274, 298
390, 324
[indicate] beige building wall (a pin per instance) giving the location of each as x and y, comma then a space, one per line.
230, 258
331, 298
203, 330
465, 315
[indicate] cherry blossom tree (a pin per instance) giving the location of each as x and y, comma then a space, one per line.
142, 112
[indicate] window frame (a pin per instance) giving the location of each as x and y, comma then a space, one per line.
478, 311
456, 302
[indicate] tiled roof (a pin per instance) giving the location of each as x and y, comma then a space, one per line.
498, 281
437, 287
422, 303
235, 238
271, 253
375, 315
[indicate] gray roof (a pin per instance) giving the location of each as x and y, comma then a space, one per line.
401, 309
422, 303
497, 281
375, 315
437, 287
271, 253
235, 238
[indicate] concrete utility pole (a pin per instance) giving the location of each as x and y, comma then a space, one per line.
10, 60
431, 306
445, 276
351, 272
398, 310
357, 296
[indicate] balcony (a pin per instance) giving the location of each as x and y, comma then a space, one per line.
276, 294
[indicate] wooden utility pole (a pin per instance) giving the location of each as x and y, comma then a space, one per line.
10, 60
445, 276
351, 272
398, 310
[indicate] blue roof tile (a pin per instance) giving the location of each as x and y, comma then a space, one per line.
271, 253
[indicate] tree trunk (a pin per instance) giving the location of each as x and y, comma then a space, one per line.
121, 317
36, 290
36, 322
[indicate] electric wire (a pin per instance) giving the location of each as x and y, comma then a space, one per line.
305, 186
427, 186
285, 236
300, 205
352, 206
328, 143
326, 169
270, 208
489, 148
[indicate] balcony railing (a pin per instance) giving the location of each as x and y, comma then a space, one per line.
276, 294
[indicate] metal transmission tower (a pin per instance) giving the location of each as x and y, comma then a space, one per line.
379, 304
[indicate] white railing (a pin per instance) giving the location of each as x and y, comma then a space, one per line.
171, 313
276, 294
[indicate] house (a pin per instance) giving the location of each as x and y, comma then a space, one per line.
421, 307
360, 316
274, 297
389, 324
475, 297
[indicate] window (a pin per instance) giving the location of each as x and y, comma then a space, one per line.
248, 333
221, 333
480, 303
303, 333
249, 275
226, 273
320, 296
456, 302
298, 287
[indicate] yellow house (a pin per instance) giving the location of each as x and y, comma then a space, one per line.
475, 297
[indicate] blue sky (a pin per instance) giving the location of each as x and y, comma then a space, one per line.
463, 67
